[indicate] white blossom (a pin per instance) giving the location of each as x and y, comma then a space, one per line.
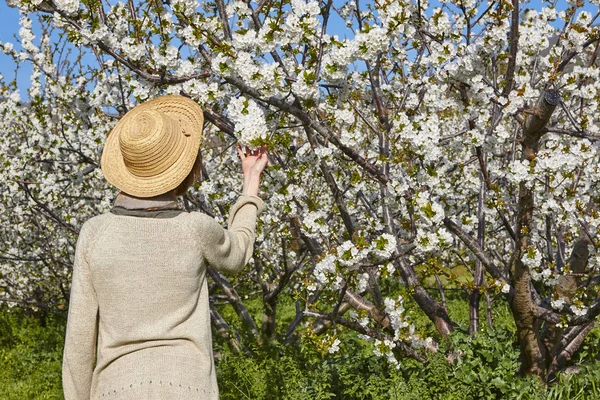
335, 346
249, 120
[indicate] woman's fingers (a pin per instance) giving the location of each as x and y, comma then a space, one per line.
241, 152
252, 152
263, 149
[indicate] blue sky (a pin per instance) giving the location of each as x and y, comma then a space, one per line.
9, 22
9, 26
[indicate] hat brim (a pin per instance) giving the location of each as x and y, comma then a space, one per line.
180, 108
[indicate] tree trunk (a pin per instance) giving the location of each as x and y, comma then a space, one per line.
490, 321
533, 351
535, 357
269, 319
478, 277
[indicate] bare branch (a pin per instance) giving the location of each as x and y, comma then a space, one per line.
222, 328
578, 134
572, 53
235, 301
472, 245
591, 314
224, 18
514, 44
571, 347
488, 185
220, 121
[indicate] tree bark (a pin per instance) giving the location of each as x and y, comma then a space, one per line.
534, 353
222, 328
567, 346
236, 302
522, 306
435, 312
478, 276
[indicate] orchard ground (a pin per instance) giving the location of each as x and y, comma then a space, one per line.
481, 368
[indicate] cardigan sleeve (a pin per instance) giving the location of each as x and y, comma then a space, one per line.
82, 327
229, 250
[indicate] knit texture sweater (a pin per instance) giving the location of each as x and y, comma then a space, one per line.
139, 320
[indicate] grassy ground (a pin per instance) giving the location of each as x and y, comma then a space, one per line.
31, 352
30, 356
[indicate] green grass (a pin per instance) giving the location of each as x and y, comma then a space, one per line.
31, 355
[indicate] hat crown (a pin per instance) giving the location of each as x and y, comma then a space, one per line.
154, 145
150, 143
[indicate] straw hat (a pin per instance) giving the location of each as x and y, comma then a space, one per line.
153, 147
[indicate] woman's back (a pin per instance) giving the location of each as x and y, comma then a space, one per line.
146, 277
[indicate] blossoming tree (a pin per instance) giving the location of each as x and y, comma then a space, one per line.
406, 139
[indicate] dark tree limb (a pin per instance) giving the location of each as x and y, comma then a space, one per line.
435, 312
473, 245
514, 44
478, 277
572, 53
222, 328
236, 302
570, 348
535, 123
220, 121
330, 180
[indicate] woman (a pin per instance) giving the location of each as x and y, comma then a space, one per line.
139, 320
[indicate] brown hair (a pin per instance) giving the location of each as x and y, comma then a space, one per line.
194, 176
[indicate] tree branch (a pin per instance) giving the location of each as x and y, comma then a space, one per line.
472, 245
307, 120
222, 328
369, 332
514, 45
235, 301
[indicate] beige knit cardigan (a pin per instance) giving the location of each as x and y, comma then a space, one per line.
139, 320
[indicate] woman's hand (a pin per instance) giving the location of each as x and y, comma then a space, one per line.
254, 163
